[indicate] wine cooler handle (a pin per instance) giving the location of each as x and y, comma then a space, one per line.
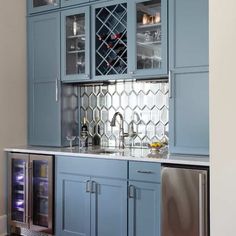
57, 92
202, 205
25, 192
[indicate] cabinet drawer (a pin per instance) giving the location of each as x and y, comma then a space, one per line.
92, 166
145, 171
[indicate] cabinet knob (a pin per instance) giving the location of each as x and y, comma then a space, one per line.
55, 4
131, 72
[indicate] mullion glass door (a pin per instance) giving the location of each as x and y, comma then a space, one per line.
40, 3
75, 44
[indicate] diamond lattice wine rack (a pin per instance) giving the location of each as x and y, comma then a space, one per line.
111, 40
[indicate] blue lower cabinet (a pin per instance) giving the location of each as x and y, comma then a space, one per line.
72, 206
109, 208
144, 209
88, 205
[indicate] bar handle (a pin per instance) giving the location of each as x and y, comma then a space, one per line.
25, 192
170, 84
94, 187
57, 90
202, 205
145, 172
131, 191
88, 186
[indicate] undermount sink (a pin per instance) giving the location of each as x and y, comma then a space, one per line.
107, 151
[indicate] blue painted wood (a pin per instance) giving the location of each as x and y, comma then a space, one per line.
109, 208
32, 8
144, 171
44, 116
76, 77
132, 32
144, 209
93, 167
72, 205
65, 3
188, 33
189, 113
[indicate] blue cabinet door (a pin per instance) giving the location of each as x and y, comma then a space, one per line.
109, 207
188, 33
42, 5
147, 24
65, 3
72, 205
144, 209
75, 44
189, 113
44, 116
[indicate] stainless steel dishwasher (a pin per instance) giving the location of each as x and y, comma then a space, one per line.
184, 202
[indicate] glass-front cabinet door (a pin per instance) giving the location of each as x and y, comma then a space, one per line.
41, 218
42, 5
18, 184
75, 44
148, 37
109, 32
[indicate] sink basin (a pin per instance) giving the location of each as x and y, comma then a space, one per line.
107, 151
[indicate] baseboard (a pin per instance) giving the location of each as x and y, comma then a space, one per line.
3, 225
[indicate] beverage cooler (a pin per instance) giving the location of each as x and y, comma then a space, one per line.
30, 194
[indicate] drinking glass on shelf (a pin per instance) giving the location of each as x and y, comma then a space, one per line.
71, 139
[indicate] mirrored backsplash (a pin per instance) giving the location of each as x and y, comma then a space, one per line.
144, 107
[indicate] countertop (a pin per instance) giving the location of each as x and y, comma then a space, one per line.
131, 154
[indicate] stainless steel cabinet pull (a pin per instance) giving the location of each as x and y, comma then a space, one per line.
88, 186
145, 171
170, 84
202, 206
57, 89
131, 191
94, 187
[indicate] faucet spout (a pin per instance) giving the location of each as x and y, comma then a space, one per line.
122, 134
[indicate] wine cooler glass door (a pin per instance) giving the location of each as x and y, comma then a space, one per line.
18, 192
41, 193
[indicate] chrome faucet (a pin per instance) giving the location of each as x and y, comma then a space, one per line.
122, 135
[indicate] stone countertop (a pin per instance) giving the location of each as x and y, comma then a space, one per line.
131, 154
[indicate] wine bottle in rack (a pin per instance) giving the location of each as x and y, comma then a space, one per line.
102, 37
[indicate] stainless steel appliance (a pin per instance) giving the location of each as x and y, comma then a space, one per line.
184, 202
30, 204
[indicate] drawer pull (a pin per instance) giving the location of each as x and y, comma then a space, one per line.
145, 171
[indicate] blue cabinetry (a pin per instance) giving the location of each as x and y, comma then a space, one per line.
144, 199
91, 197
188, 77
65, 3
35, 6
44, 107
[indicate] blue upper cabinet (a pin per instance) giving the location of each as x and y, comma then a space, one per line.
65, 3
75, 44
147, 25
44, 106
109, 35
35, 6
188, 33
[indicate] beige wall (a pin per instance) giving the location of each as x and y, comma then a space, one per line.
12, 81
223, 116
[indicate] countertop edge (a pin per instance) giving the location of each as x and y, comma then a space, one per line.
171, 159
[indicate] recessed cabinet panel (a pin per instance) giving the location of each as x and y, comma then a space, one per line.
148, 38
188, 33
75, 44
189, 113
42, 5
